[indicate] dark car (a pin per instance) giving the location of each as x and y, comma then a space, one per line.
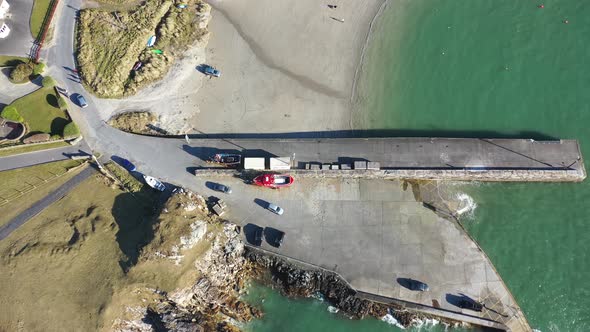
221, 188
258, 236
211, 71
470, 304
81, 101
416, 285
128, 165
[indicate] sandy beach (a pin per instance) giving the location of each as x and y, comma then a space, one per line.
286, 67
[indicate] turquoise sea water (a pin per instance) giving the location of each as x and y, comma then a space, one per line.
490, 68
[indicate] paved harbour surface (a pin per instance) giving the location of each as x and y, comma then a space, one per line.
373, 232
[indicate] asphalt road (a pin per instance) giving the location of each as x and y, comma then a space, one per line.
43, 156
39, 206
19, 41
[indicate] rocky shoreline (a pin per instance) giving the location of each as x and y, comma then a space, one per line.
213, 301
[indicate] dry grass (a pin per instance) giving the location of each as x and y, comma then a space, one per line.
110, 42
34, 183
78, 265
134, 122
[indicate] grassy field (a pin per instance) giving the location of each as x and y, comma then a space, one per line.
11, 61
41, 112
40, 8
24, 186
31, 148
111, 42
81, 262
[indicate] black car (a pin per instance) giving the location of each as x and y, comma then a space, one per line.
470, 305
258, 236
416, 285
222, 188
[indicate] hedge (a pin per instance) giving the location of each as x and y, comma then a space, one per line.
48, 82
71, 130
10, 113
21, 72
39, 69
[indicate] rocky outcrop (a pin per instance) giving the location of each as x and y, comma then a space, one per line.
298, 281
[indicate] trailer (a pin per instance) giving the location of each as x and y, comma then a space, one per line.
254, 163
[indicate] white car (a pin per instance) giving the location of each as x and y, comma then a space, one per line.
275, 209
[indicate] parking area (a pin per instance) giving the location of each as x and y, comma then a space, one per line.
372, 232
19, 41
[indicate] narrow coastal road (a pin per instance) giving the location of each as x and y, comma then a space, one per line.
43, 156
41, 205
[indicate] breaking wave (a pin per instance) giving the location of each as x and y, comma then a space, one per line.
466, 206
389, 319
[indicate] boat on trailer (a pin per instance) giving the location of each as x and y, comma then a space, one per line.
227, 159
274, 180
154, 183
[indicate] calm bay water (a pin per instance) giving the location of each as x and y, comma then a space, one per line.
493, 68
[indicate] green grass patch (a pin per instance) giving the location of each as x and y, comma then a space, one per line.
40, 8
10, 113
31, 148
11, 61
41, 113
129, 181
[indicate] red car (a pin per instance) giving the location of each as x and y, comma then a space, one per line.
274, 180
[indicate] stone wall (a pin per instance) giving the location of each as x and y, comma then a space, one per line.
504, 175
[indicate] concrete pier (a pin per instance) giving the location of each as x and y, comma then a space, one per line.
418, 158
371, 233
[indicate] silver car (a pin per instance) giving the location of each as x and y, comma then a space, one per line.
275, 209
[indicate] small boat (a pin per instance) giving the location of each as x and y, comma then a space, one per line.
151, 41
137, 65
273, 180
227, 159
154, 183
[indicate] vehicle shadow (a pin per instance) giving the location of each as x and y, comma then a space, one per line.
405, 282
271, 235
250, 233
262, 203
460, 300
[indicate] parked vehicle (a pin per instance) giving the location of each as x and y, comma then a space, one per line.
470, 305
127, 165
274, 180
227, 159
416, 285
221, 188
154, 183
81, 101
275, 209
211, 71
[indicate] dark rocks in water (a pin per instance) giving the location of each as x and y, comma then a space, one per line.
295, 281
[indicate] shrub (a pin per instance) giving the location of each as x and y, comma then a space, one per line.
55, 137
37, 138
61, 102
71, 130
21, 72
48, 82
10, 113
39, 69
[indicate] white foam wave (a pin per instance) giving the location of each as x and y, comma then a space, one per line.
332, 309
389, 319
467, 205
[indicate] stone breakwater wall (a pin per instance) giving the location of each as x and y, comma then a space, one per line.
483, 175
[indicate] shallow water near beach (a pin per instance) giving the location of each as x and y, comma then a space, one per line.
493, 68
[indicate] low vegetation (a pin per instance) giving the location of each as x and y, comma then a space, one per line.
140, 122
40, 9
71, 130
21, 73
31, 148
41, 112
24, 186
11, 61
88, 259
111, 42
10, 113
129, 182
